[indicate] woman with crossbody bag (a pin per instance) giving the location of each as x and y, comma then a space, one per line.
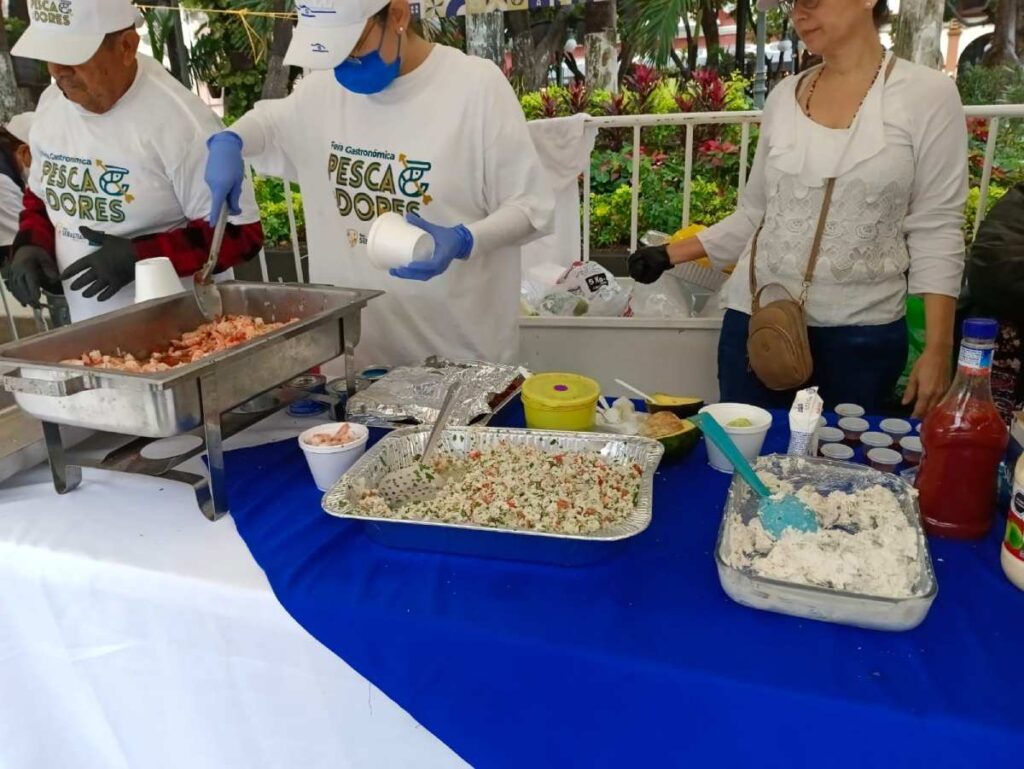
855, 197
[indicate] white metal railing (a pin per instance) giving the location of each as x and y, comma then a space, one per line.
994, 114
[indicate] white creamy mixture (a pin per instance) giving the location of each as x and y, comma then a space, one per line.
865, 544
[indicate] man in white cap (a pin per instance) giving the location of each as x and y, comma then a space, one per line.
388, 122
117, 164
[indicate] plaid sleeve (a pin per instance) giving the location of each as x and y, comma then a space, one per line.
188, 246
34, 226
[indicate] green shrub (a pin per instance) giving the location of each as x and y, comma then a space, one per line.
995, 192
274, 211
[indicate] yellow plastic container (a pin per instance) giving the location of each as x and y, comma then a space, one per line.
560, 402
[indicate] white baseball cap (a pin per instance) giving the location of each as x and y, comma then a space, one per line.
20, 126
328, 30
69, 32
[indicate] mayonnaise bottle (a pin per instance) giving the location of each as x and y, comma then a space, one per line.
1012, 555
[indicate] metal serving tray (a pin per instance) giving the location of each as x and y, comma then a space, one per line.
820, 603
185, 398
402, 449
169, 403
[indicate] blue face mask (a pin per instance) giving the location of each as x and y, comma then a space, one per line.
369, 74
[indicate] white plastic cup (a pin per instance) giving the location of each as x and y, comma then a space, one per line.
749, 440
155, 279
329, 463
896, 428
394, 243
838, 452
850, 410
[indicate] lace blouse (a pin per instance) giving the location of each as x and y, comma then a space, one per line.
897, 210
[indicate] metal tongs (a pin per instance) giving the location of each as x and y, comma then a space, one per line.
203, 287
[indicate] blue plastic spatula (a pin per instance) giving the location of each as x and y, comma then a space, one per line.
777, 512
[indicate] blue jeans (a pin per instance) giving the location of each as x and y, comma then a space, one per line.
852, 364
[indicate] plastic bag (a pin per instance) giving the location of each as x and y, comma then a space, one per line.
916, 335
602, 295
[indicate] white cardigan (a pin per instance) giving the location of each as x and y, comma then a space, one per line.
896, 213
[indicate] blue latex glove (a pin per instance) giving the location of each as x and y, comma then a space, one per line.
450, 243
225, 172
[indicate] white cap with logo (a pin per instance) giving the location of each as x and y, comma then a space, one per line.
328, 30
69, 32
20, 126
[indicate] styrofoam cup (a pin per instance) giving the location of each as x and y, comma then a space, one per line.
393, 242
155, 279
329, 463
749, 440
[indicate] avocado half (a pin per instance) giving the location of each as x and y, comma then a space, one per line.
682, 407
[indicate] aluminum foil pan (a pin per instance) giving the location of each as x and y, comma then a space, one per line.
413, 394
402, 449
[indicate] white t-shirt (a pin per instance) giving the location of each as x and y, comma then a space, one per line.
896, 214
11, 198
448, 142
134, 170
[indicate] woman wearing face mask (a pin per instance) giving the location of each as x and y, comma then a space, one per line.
892, 134
389, 122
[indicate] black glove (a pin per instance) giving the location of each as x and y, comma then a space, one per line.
649, 263
32, 270
106, 270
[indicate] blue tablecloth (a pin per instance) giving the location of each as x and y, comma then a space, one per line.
642, 660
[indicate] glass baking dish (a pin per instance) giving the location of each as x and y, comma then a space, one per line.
811, 601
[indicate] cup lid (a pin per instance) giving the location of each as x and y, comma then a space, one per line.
876, 440
885, 456
561, 390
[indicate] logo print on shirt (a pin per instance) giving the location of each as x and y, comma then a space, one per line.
57, 12
85, 190
112, 182
410, 181
369, 182
319, 48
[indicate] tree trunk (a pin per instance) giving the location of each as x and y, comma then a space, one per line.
276, 84
709, 23
531, 57
691, 46
919, 34
1004, 38
601, 41
485, 36
13, 100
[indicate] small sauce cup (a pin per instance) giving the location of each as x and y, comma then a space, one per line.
885, 460
853, 428
850, 410
912, 450
896, 428
876, 441
831, 435
838, 452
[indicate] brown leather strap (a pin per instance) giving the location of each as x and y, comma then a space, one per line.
819, 233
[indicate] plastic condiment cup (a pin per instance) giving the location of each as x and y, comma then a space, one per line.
912, 450
749, 440
329, 463
822, 422
156, 278
885, 460
876, 441
849, 410
839, 452
853, 428
896, 428
831, 435
393, 242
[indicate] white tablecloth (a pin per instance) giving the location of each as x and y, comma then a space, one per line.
134, 633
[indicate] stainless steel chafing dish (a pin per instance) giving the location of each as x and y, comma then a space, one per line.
189, 398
